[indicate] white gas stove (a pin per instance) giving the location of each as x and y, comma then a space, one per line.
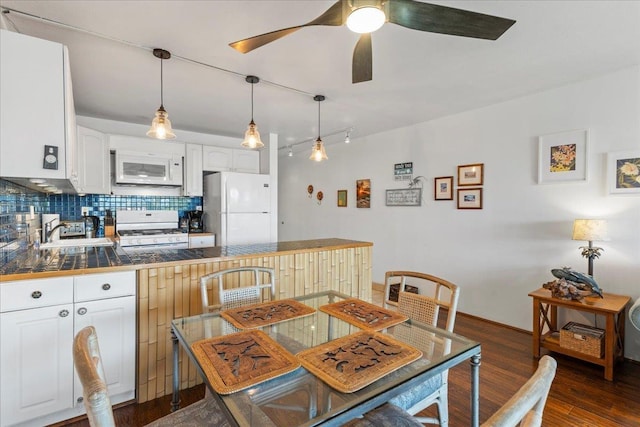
145, 230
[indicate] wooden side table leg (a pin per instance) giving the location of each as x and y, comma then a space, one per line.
610, 344
536, 327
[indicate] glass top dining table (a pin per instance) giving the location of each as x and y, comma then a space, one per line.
299, 398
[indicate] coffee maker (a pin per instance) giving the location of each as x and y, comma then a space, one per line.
195, 221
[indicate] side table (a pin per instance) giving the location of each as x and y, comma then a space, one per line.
545, 314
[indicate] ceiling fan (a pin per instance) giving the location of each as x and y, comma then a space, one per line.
366, 16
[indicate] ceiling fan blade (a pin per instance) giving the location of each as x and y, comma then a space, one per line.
446, 20
362, 67
332, 17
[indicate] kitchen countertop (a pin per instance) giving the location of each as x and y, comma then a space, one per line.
32, 263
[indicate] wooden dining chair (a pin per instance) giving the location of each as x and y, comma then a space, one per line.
524, 409
244, 286
438, 296
527, 405
88, 364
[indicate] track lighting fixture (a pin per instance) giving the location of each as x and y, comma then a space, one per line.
317, 152
161, 126
252, 136
290, 152
347, 138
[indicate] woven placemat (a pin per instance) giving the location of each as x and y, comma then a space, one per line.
267, 313
363, 314
352, 362
237, 361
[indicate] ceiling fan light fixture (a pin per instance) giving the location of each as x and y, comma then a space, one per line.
366, 19
252, 136
161, 126
318, 153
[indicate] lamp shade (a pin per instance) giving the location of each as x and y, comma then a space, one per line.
590, 229
318, 153
161, 126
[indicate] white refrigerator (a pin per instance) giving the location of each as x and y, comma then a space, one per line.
237, 207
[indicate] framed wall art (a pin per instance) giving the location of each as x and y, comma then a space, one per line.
363, 193
469, 198
443, 188
471, 174
342, 198
623, 170
404, 197
562, 157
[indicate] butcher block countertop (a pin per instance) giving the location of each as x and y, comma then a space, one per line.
32, 264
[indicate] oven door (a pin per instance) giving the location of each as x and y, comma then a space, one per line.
148, 168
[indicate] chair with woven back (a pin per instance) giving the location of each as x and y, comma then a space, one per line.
437, 297
88, 364
245, 286
524, 409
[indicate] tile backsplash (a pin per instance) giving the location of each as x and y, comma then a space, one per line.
15, 198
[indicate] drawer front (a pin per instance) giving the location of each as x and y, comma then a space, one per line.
202, 241
26, 294
101, 286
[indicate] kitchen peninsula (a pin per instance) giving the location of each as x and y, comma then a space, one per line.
168, 286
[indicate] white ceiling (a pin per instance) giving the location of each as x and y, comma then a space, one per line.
417, 76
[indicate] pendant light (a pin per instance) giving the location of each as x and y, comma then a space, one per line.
252, 136
161, 126
317, 152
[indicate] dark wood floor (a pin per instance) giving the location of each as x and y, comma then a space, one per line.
580, 396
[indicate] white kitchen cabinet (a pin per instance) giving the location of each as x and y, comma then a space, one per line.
193, 170
36, 107
39, 320
202, 240
218, 159
36, 363
92, 162
246, 161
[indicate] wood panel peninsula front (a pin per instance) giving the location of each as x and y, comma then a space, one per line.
168, 287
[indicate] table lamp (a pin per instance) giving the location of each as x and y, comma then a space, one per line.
590, 230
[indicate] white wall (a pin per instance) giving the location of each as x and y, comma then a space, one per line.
502, 252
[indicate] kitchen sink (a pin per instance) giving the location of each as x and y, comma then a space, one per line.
71, 243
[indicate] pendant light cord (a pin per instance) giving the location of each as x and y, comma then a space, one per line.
252, 84
161, 84
319, 119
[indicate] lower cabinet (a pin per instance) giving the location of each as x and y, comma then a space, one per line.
38, 384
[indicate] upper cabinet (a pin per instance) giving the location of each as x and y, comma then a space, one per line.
92, 162
217, 159
36, 108
193, 170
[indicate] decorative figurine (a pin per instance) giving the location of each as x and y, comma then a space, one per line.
572, 285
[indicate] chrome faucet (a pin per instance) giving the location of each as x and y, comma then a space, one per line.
48, 230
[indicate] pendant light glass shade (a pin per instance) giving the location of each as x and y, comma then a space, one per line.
318, 153
252, 136
161, 126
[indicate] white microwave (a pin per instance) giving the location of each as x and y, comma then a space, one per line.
134, 167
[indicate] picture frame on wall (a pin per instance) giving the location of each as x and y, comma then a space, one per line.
623, 170
363, 193
443, 188
471, 174
469, 198
562, 157
342, 198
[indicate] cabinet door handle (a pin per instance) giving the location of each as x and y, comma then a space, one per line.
82, 311
106, 286
36, 294
80, 399
64, 313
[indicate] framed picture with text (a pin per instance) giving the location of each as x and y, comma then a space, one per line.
471, 174
443, 188
623, 170
562, 157
469, 198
